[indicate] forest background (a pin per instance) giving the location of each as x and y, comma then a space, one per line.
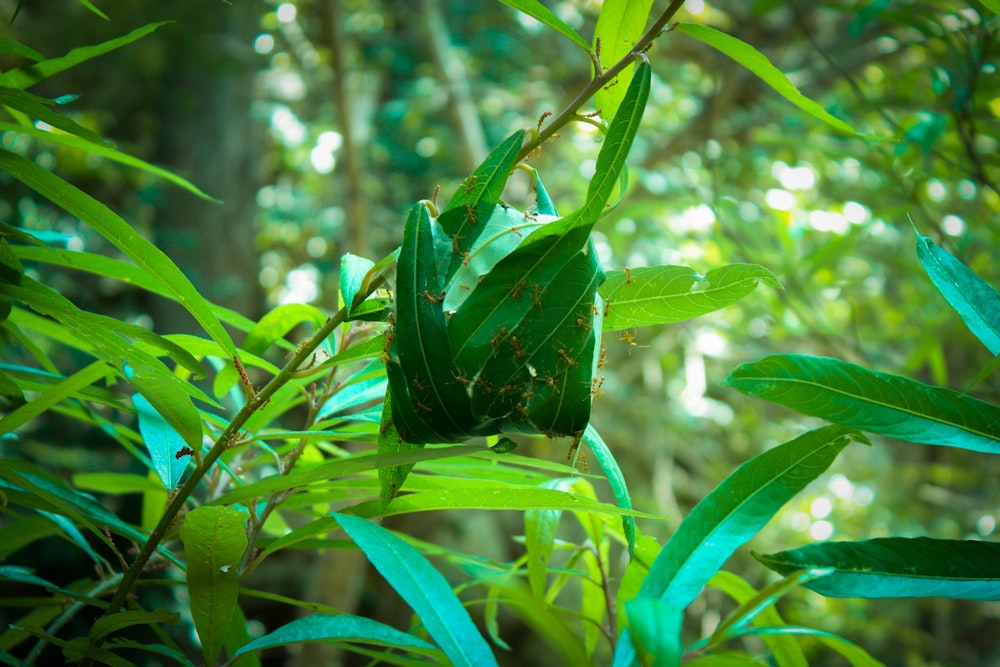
318, 123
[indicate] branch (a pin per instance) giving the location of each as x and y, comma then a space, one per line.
222, 443
602, 79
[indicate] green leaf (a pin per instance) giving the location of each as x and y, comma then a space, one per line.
616, 480
854, 654
898, 567
122, 236
740, 506
540, 301
37, 108
975, 300
102, 150
214, 540
112, 623
785, 651
492, 498
346, 628
122, 272
114, 483
655, 626
992, 5
662, 294
164, 443
424, 589
340, 468
353, 270
59, 392
757, 62
278, 322
102, 331
890, 405
540, 527
760, 603
92, 7
8, 45
619, 26
539, 12
166, 394
427, 382
28, 75
391, 479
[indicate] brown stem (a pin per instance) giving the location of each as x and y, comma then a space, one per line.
601, 80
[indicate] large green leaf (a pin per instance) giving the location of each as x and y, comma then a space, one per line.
345, 628
898, 567
428, 368
506, 295
975, 300
122, 236
757, 62
214, 540
427, 592
661, 294
539, 12
28, 75
882, 403
741, 505
619, 26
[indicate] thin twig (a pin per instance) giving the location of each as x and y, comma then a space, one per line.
602, 79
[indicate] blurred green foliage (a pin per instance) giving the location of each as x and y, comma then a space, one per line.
723, 171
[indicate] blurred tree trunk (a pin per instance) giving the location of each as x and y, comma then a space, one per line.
207, 134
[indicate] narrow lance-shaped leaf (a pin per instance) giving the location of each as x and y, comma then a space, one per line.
324, 627
975, 300
605, 459
757, 63
785, 651
214, 540
661, 294
733, 513
619, 26
108, 152
424, 588
898, 567
883, 403
164, 443
122, 236
760, 603
28, 75
59, 392
540, 12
